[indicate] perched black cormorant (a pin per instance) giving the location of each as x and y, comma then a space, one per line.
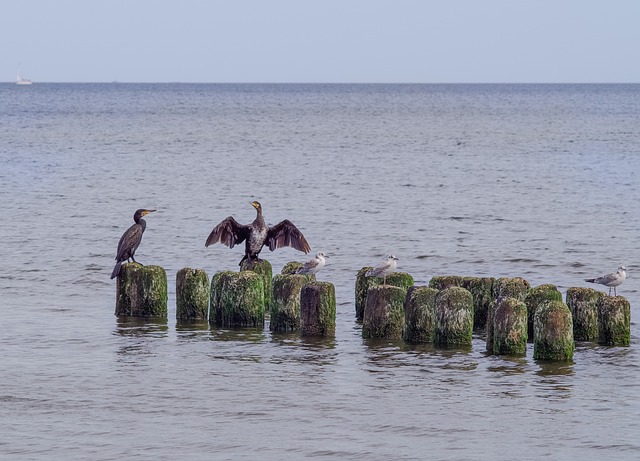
257, 234
130, 240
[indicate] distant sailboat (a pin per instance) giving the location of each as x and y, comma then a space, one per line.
21, 80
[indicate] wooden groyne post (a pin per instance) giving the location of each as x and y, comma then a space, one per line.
553, 332
614, 320
237, 299
285, 308
141, 291
510, 327
481, 289
263, 268
534, 298
583, 304
504, 287
420, 315
317, 309
363, 283
384, 312
454, 317
192, 294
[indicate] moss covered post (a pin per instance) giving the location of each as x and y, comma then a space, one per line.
384, 312
481, 288
237, 299
583, 304
363, 283
192, 294
553, 332
263, 268
504, 287
510, 327
454, 317
440, 282
614, 319
141, 291
317, 309
420, 315
536, 296
285, 308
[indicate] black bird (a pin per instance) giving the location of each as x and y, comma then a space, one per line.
257, 234
130, 240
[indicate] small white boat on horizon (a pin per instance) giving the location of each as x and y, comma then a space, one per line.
21, 80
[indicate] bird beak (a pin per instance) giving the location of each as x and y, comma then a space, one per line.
146, 212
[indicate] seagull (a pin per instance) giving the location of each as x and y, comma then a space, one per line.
313, 266
386, 267
611, 280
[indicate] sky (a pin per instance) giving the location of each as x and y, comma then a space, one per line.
321, 41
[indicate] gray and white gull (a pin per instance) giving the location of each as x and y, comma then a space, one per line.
386, 267
314, 265
611, 280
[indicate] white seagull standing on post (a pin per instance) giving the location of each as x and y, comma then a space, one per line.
611, 280
386, 267
313, 266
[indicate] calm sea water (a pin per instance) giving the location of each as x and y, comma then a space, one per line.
539, 181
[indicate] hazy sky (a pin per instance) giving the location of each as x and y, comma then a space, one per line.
321, 40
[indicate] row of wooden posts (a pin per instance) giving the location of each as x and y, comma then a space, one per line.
445, 313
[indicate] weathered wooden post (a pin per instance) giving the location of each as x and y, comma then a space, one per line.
504, 287
363, 283
263, 268
614, 319
583, 304
192, 294
141, 291
237, 299
420, 315
318, 309
384, 312
454, 317
536, 296
481, 288
440, 282
553, 332
510, 327
285, 308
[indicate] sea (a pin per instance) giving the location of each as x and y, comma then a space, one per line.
532, 180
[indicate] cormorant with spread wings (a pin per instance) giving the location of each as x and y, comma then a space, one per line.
257, 234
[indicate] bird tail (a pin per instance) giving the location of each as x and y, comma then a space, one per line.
116, 270
590, 280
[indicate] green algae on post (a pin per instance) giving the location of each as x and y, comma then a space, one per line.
504, 287
384, 312
481, 288
510, 327
263, 268
536, 296
583, 304
141, 291
553, 332
454, 317
192, 294
440, 282
237, 299
420, 315
285, 308
318, 309
614, 320
363, 283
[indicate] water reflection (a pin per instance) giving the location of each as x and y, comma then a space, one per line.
137, 326
190, 329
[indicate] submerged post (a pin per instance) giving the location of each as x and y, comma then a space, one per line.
553, 332
420, 315
510, 327
440, 282
237, 299
285, 308
583, 304
192, 294
504, 287
384, 312
454, 317
318, 309
141, 291
614, 319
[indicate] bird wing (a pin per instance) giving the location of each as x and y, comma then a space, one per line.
608, 279
308, 266
285, 234
129, 242
229, 232
379, 269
